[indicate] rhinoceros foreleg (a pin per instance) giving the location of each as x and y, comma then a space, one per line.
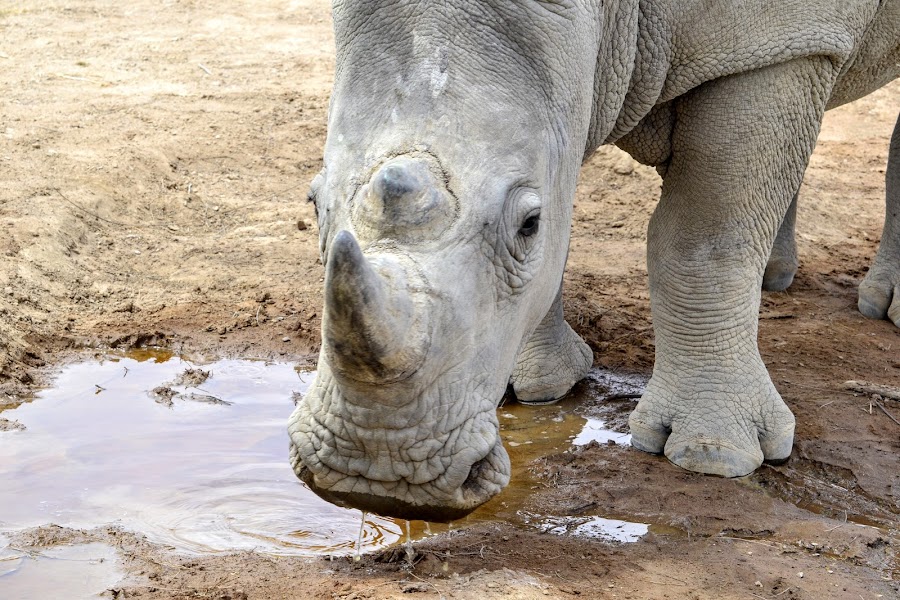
879, 293
783, 262
552, 360
740, 147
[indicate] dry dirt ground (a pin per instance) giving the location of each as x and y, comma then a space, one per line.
155, 158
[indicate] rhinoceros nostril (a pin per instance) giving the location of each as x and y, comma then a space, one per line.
473, 481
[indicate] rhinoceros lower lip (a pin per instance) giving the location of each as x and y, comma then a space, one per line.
388, 506
385, 506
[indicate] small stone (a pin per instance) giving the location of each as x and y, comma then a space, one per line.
624, 166
301, 225
126, 306
285, 339
800, 574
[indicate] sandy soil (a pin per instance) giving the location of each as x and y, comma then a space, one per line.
156, 158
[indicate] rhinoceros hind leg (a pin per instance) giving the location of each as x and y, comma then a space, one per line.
879, 293
783, 262
553, 360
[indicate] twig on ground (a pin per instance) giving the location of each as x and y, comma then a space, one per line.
884, 410
740, 539
84, 79
865, 387
205, 70
91, 213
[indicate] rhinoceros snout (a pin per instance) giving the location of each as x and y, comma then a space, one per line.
430, 501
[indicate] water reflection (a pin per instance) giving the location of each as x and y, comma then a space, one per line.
612, 530
194, 476
595, 430
82, 571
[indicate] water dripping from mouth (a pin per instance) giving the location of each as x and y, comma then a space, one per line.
410, 554
359, 539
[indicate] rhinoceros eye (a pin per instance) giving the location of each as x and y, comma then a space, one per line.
313, 194
530, 225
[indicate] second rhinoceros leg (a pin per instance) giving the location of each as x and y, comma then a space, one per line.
879, 293
783, 262
740, 147
552, 360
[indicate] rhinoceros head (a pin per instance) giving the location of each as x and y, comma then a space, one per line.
455, 133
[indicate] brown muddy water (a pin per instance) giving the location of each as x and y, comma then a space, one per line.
205, 470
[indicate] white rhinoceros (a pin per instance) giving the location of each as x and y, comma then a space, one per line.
455, 135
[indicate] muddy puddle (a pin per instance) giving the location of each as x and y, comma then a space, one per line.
201, 469
195, 458
80, 570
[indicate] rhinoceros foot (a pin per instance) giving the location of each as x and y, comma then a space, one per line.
553, 360
719, 422
879, 294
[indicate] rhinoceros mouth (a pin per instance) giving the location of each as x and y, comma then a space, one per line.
485, 480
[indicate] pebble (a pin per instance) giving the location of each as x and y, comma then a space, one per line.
624, 166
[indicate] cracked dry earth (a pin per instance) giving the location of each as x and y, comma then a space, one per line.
155, 162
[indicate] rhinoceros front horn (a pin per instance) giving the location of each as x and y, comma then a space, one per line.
373, 329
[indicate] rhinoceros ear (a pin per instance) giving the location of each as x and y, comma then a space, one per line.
370, 326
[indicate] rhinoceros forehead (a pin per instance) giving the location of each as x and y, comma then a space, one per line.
518, 47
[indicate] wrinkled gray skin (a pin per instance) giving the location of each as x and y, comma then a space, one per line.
455, 135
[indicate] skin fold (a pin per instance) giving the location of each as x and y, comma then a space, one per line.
455, 134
